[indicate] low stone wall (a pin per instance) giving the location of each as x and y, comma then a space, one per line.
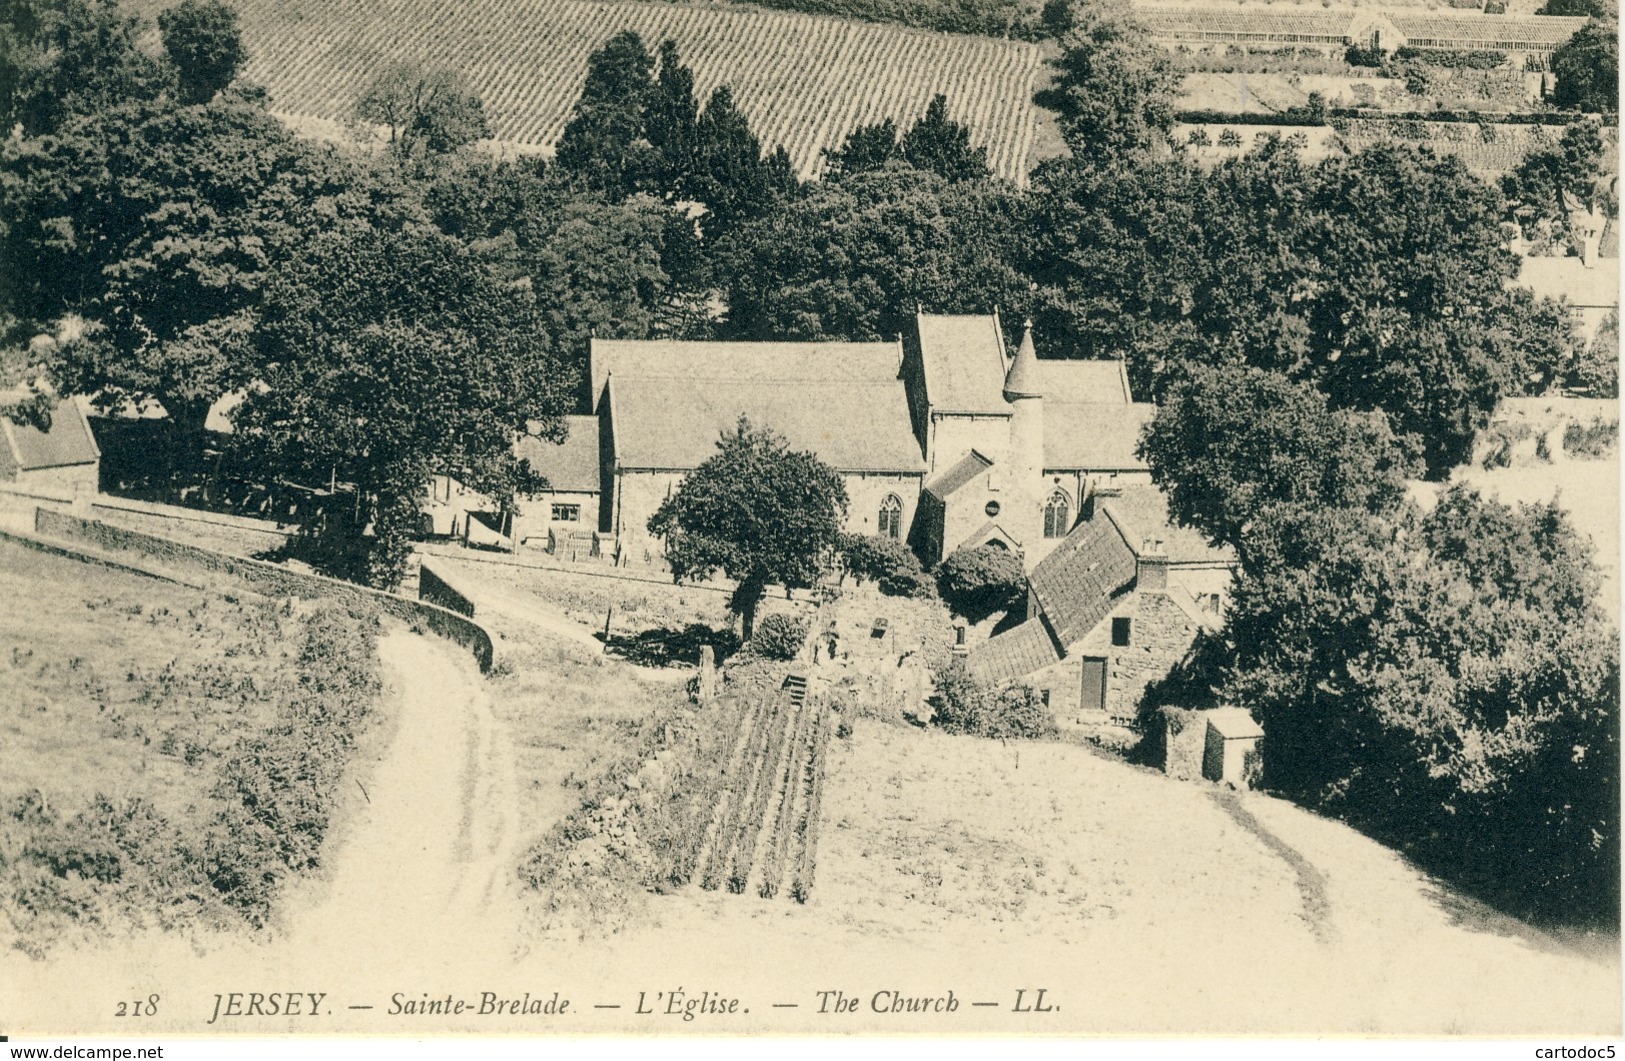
268, 578
436, 590
91, 556
1185, 742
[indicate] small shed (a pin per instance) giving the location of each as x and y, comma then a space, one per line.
1232, 746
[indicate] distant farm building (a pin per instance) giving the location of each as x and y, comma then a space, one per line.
1333, 29
63, 458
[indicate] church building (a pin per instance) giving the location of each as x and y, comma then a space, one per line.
942, 438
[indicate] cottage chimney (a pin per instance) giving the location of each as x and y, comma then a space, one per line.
1101, 492
1151, 567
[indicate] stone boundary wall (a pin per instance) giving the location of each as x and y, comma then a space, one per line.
13, 492
90, 556
268, 578
436, 590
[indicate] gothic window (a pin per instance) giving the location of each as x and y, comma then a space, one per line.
891, 517
1057, 515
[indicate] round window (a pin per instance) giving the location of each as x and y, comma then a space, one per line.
992, 508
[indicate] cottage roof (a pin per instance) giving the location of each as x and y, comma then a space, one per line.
1076, 583
571, 465
1141, 513
1232, 722
948, 481
742, 362
1586, 286
1094, 436
68, 440
1013, 653
851, 425
963, 360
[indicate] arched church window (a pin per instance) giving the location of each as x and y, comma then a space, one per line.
1057, 515
891, 517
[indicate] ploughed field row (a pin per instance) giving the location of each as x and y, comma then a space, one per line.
803, 81
763, 836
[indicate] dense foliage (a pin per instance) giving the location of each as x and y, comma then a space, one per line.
979, 581
889, 563
964, 705
759, 513
1587, 68
779, 636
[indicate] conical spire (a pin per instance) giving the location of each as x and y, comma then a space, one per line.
1022, 379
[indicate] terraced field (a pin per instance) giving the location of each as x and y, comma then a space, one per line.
804, 81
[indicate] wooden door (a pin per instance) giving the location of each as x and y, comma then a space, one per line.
1094, 685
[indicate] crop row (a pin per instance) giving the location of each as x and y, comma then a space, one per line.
767, 800
803, 81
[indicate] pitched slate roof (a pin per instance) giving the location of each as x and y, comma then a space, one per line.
1141, 512
1593, 287
851, 425
68, 440
742, 362
1094, 436
963, 359
1076, 583
571, 465
1084, 381
950, 479
1015, 652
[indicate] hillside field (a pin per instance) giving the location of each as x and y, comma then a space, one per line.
803, 81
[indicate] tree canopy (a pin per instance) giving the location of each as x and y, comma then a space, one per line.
204, 45
426, 110
1114, 86
756, 511
1587, 68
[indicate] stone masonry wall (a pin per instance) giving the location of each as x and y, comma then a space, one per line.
268, 578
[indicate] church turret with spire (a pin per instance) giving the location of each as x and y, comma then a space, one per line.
1023, 390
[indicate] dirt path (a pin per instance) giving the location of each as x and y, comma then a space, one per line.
433, 843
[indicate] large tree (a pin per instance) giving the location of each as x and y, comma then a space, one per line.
605, 146
1587, 68
1230, 442
1114, 87
940, 145
156, 224
758, 512
385, 358
853, 258
204, 44
427, 111
64, 57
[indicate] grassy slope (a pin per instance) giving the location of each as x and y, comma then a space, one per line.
171, 754
110, 681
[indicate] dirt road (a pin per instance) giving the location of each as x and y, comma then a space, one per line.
431, 844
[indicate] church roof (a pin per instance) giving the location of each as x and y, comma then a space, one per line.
851, 425
1083, 381
571, 465
1141, 512
67, 441
946, 482
1076, 583
1024, 380
963, 360
742, 362
1586, 286
1094, 436
1013, 653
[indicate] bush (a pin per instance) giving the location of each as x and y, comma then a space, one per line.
887, 562
964, 705
1595, 439
977, 582
779, 636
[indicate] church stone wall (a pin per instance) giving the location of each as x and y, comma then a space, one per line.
865, 492
954, 436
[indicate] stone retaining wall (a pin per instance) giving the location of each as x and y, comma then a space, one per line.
268, 578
